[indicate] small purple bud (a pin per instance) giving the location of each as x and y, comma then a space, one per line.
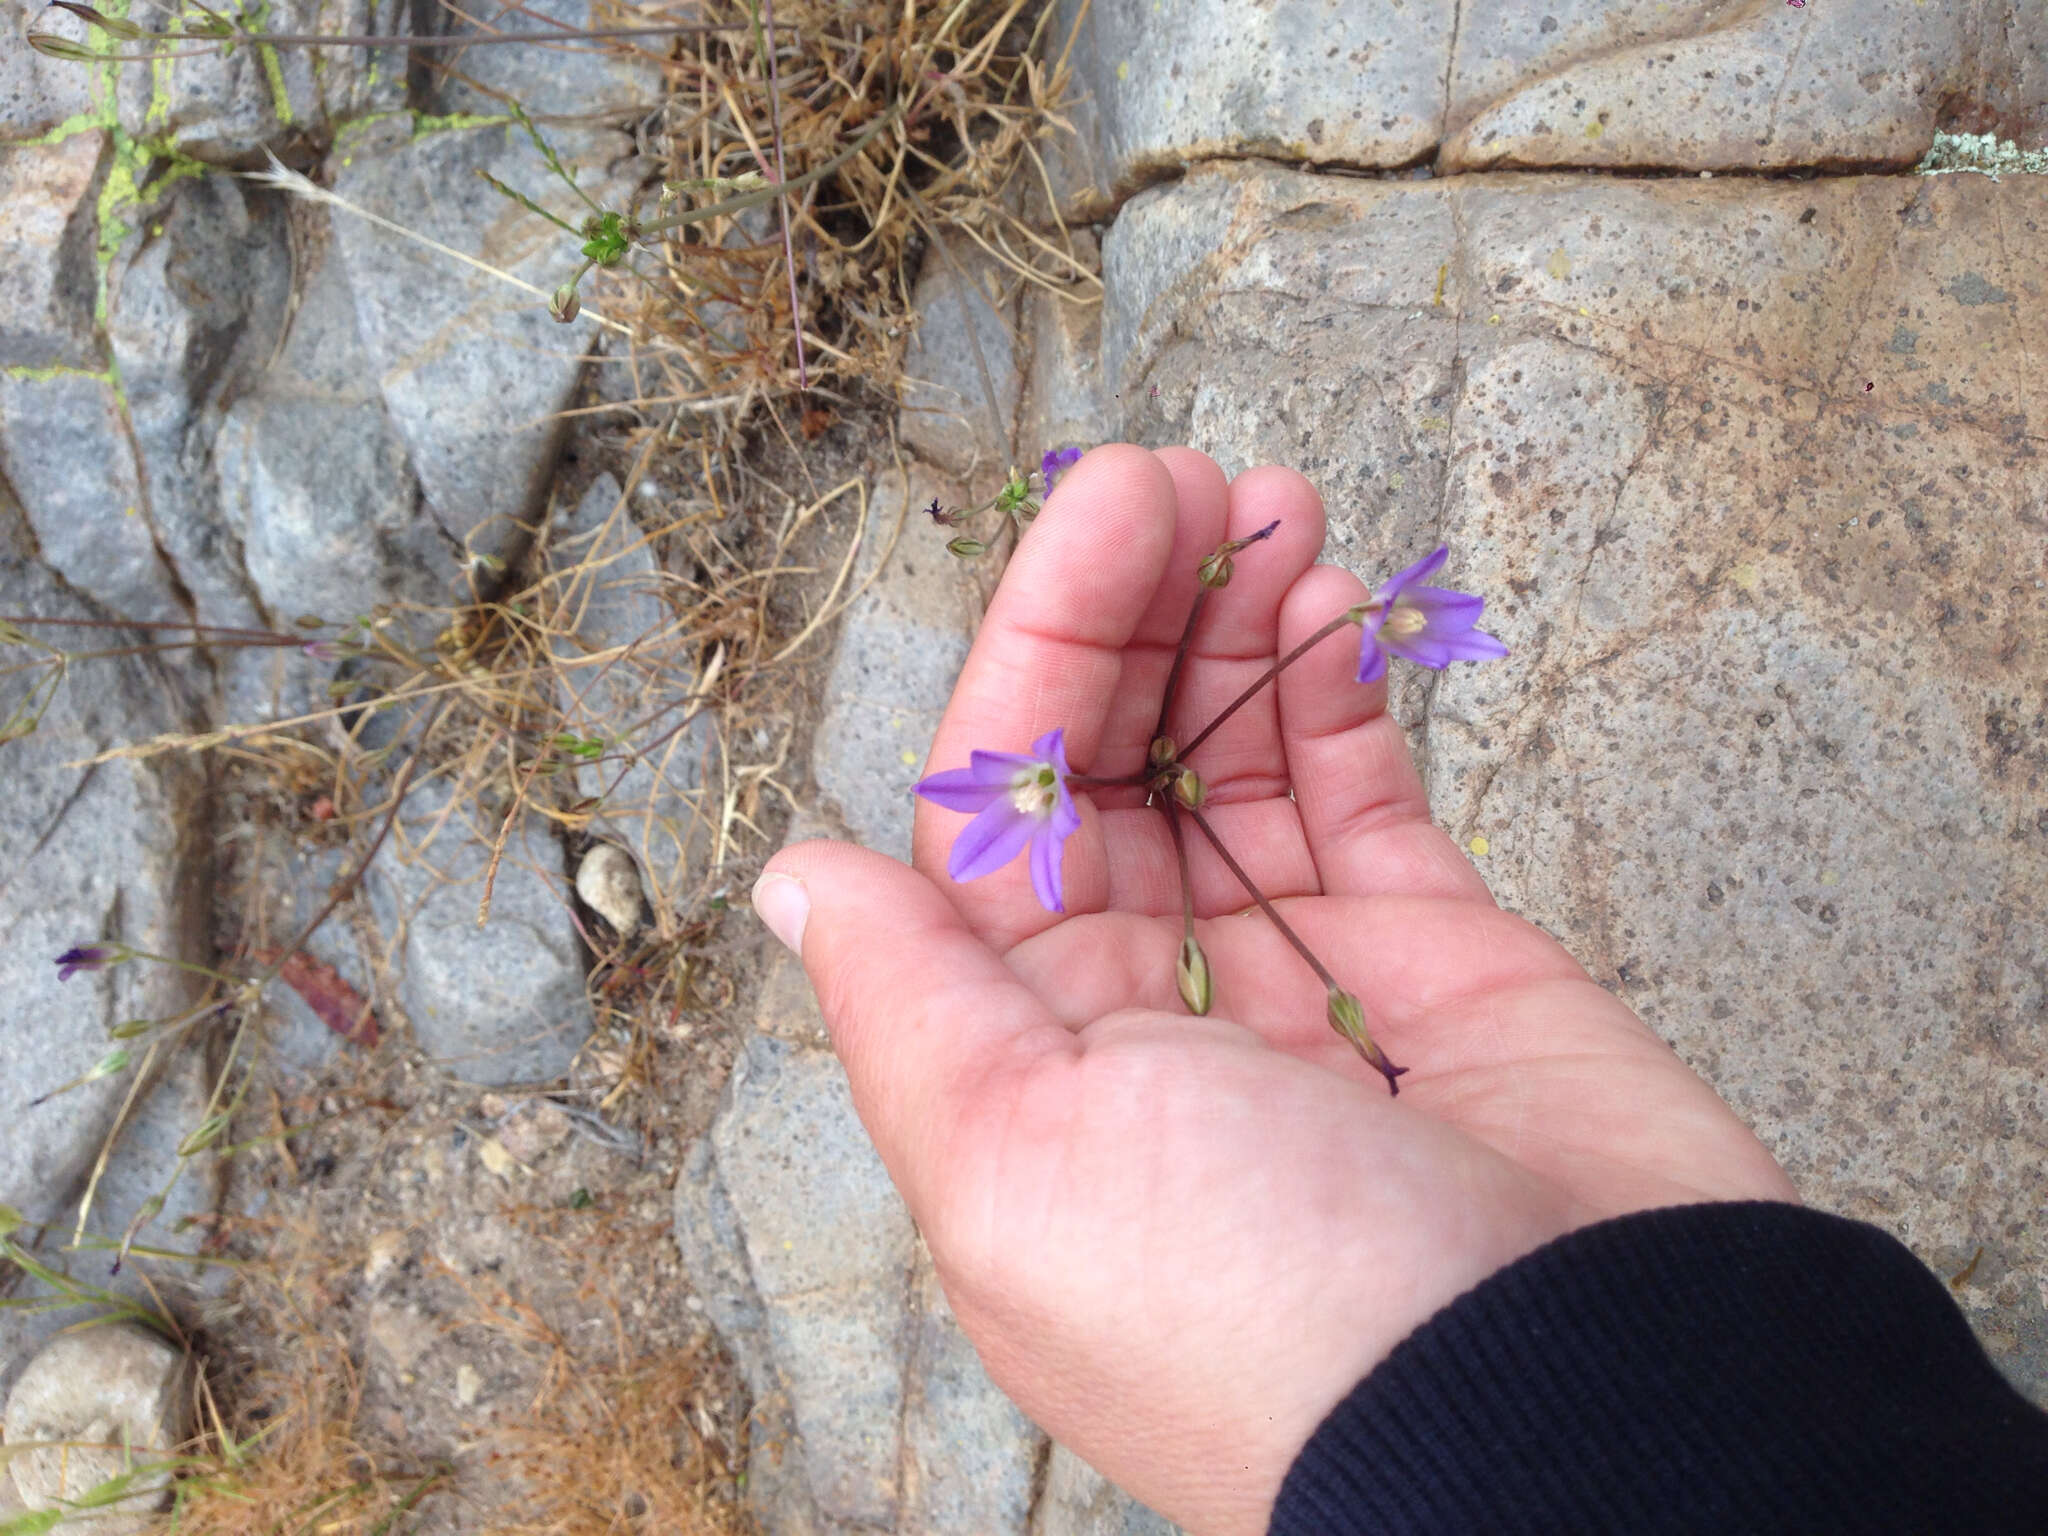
322, 650
84, 957
937, 513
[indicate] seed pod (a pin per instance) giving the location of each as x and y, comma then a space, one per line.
1347, 1017
565, 305
1215, 571
1161, 751
966, 548
1191, 974
1189, 789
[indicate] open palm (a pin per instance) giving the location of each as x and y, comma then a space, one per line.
1179, 1241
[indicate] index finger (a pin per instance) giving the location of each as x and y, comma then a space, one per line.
1052, 653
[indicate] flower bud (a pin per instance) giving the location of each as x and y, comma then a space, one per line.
1215, 571
1189, 789
1191, 974
966, 548
565, 305
1347, 1017
1161, 751
11, 1221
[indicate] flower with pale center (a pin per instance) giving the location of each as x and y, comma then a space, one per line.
1019, 800
1057, 461
1430, 626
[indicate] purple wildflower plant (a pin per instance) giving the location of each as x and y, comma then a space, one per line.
85, 957
1430, 626
1019, 800
1057, 462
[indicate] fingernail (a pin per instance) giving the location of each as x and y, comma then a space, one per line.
784, 905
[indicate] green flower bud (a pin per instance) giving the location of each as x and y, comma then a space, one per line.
1191, 973
1161, 751
114, 1061
565, 305
966, 548
11, 1221
1189, 789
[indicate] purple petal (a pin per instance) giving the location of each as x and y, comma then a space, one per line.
1052, 748
1056, 463
990, 841
1474, 645
957, 789
1425, 649
1372, 662
1447, 611
1420, 571
1048, 846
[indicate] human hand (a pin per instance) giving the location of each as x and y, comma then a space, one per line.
1178, 1242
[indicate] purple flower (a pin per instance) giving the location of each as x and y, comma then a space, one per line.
1020, 799
322, 650
1430, 626
83, 957
1057, 462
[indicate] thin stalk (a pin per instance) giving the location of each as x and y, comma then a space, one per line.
1171, 808
1265, 906
1180, 660
1266, 677
1095, 781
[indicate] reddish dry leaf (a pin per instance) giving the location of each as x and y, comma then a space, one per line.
341, 1008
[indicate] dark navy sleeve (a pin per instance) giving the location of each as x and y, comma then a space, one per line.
1736, 1368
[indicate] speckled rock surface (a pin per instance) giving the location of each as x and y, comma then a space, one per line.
900, 647
871, 1411
473, 395
1337, 82
960, 403
1679, 84
1751, 475
1754, 86
112, 1393
497, 1004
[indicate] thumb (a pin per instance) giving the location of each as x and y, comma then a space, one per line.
927, 1019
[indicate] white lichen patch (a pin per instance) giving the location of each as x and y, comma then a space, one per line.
1984, 153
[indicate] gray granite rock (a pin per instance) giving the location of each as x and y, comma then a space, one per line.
1740, 467
960, 405
625, 679
471, 369
1750, 86
106, 853
900, 647
1067, 397
197, 296
620, 78
114, 852
871, 1411
102, 1401
498, 1004
39, 95
46, 253
314, 480
1333, 82
225, 107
